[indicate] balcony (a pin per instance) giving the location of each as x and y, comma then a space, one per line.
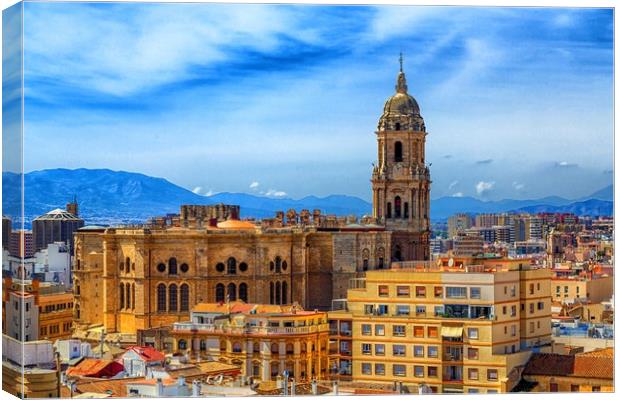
192, 327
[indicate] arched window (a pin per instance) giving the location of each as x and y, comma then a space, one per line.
365, 257
270, 292
398, 152
161, 297
172, 266
406, 211
388, 213
232, 266
127, 264
243, 292
284, 292
232, 292
133, 295
128, 296
289, 348
182, 344
122, 296
271, 266
278, 293
278, 264
220, 293
397, 207
172, 298
397, 253
185, 297
397, 126
284, 265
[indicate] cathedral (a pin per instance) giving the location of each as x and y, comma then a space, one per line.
133, 278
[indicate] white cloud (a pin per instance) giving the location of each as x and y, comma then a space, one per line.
254, 185
453, 184
458, 194
517, 185
482, 187
197, 189
275, 193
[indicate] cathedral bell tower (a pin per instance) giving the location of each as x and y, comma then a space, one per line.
400, 179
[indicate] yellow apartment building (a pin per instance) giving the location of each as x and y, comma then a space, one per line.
455, 328
595, 289
264, 340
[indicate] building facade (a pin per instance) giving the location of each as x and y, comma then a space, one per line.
56, 226
264, 340
459, 328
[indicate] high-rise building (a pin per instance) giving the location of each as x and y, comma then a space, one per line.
468, 244
6, 232
459, 223
401, 179
459, 328
56, 226
21, 244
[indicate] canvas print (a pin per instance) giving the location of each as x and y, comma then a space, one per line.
205, 199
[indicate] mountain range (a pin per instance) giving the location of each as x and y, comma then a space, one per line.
107, 196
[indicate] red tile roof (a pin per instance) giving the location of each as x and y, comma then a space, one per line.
94, 367
147, 353
570, 365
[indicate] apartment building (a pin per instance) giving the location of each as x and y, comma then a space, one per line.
264, 340
456, 328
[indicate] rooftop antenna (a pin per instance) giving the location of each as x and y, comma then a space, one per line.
400, 60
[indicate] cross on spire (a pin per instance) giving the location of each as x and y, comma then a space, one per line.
400, 59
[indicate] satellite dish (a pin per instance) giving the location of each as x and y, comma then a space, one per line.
451, 262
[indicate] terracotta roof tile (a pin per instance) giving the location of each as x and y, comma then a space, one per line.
147, 353
583, 366
94, 367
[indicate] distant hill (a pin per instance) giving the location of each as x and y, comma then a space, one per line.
107, 196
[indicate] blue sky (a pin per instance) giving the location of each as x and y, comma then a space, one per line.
284, 100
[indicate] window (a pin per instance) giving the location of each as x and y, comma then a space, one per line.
382, 309
366, 368
472, 374
368, 308
172, 298
379, 369
161, 297
231, 292
420, 310
379, 349
513, 291
220, 292
402, 291
172, 266
243, 267
531, 308
399, 330
184, 268
418, 331
431, 372
574, 388
472, 390
397, 208
456, 292
185, 297
513, 330
438, 291
513, 311
284, 292
472, 353
366, 348
504, 310
122, 296
531, 288
398, 151
472, 333
474, 292
243, 291
278, 264
128, 295
432, 331
398, 350
406, 211
433, 352
402, 310
418, 371
232, 266
418, 351
491, 374
596, 388
557, 290
541, 305
220, 267
380, 330
366, 329
420, 291
531, 327
538, 286
384, 291
389, 210
505, 289
553, 387
538, 324
399, 370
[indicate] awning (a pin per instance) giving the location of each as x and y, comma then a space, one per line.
452, 331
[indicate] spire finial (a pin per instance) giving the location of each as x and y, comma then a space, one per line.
400, 59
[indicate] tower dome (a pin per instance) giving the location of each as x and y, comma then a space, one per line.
401, 111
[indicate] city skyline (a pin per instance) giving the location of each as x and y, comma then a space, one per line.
200, 94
